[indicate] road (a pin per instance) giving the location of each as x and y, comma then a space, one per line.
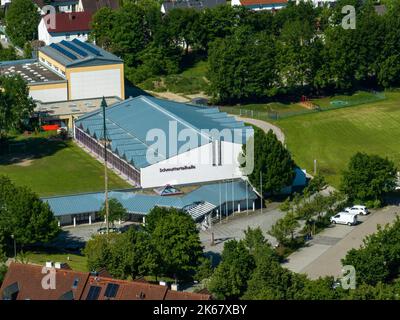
266, 126
322, 257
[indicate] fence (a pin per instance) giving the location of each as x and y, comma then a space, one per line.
278, 114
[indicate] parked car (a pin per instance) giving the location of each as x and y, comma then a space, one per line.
344, 218
357, 209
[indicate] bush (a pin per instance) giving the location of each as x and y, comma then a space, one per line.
373, 204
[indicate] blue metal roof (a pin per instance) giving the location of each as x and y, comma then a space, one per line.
128, 123
143, 203
77, 53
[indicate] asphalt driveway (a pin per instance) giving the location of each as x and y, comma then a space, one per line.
322, 256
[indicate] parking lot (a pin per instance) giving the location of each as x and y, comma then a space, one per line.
322, 256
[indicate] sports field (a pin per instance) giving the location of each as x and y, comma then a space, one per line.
332, 137
53, 167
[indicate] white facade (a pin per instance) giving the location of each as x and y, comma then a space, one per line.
4, 2
194, 166
98, 83
48, 38
49, 95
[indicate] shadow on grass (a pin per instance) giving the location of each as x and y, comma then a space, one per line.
133, 91
66, 242
19, 151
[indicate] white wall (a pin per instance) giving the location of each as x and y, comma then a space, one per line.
201, 158
49, 95
94, 84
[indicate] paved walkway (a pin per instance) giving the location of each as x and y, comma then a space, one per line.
234, 227
322, 256
266, 126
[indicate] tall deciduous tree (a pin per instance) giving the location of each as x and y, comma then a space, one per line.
378, 259
368, 177
176, 239
116, 210
15, 103
230, 277
24, 215
22, 20
273, 161
241, 66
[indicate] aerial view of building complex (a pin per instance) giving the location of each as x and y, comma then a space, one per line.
208, 150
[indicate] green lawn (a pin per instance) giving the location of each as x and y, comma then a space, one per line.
76, 262
356, 98
332, 137
260, 110
190, 81
51, 167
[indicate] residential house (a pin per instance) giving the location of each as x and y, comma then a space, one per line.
257, 5
66, 26
59, 282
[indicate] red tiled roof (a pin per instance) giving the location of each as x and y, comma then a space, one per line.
254, 2
29, 280
71, 22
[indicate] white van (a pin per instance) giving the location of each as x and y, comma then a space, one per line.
344, 218
357, 209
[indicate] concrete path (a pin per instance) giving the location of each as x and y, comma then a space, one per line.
322, 256
234, 226
266, 126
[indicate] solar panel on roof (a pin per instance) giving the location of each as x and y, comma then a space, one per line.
63, 51
111, 290
86, 47
94, 293
69, 45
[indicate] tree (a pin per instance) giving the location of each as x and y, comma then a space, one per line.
284, 228
103, 23
24, 215
183, 27
316, 184
133, 255
98, 251
176, 239
126, 255
273, 161
270, 281
7, 53
242, 67
298, 54
378, 259
116, 211
368, 177
229, 280
15, 104
129, 32
22, 20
